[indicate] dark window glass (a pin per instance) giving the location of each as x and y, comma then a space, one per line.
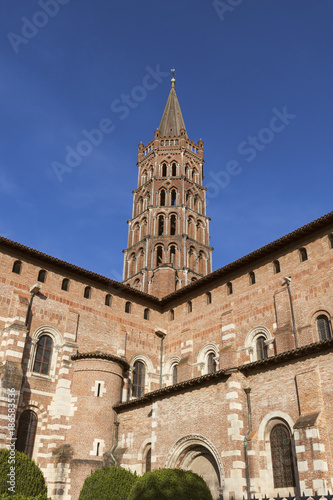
43, 355
87, 292
323, 327
303, 254
173, 225
148, 460
162, 198
42, 276
276, 267
17, 266
138, 386
65, 285
211, 363
164, 170
283, 470
174, 374
172, 254
108, 299
173, 197
128, 307
26, 432
261, 348
174, 169
146, 314
160, 225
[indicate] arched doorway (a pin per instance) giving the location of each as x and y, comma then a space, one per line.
197, 454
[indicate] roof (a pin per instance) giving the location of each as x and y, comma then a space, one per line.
222, 273
172, 120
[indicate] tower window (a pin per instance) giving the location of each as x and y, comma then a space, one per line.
229, 288
17, 267
174, 170
189, 306
330, 240
26, 432
252, 278
43, 355
209, 298
87, 292
108, 299
159, 255
323, 327
65, 284
173, 255
172, 225
164, 170
211, 364
303, 255
276, 267
173, 197
172, 315
146, 314
128, 307
282, 461
138, 386
162, 198
261, 348
41, 276
160, 225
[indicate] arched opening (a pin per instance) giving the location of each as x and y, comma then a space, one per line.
87, 292
164, 170
132, 264
26, 432
202, 263
146, 314
138, 383
209, 298
303, 255
172, 315
43, 355
17, 267
160, 225
211, 363
282, 458
173, 197
65, 284
174, 170
42, 276
252, 278
141, 258
173, 255
162, 198
323, 327
174, 374
261, 348
108, 299
159, 255
173, 225
276, 267
229, 288
128, 307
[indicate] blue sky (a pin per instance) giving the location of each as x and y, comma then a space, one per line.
254, 81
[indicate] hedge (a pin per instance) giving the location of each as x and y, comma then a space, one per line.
24, 476
108, 483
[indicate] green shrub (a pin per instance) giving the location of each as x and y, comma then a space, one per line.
108, 483
170, 484
28, 478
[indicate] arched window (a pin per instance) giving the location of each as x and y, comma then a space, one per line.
211, 364
164, 170
173, 197
41, 276
276, 267
160, 225
330, 241
17, 267
261, 348
162, 198
174, 170
303, 255
148, 460
26, 432
146, 314
172, 225
252, 278
189, 306
229, 288
108, 299
323, 327
87, 292
174, 374
43, 355
65, 284
128, 307
173, 255
209, 298
186, 170
136, 284
172, 315
159, 255
282, 460
138, 385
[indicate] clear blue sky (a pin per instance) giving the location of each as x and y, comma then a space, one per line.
234, 66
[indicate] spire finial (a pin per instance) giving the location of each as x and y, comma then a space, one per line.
173, 79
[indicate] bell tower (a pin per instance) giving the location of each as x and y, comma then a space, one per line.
168, 236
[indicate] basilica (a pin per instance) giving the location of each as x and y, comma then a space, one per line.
227, 373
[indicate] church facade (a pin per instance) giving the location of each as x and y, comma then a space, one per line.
227, 373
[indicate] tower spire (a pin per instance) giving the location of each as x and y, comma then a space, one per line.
172, 119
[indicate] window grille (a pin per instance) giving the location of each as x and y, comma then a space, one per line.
323, 327
26, 432
138, 386
283, 470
